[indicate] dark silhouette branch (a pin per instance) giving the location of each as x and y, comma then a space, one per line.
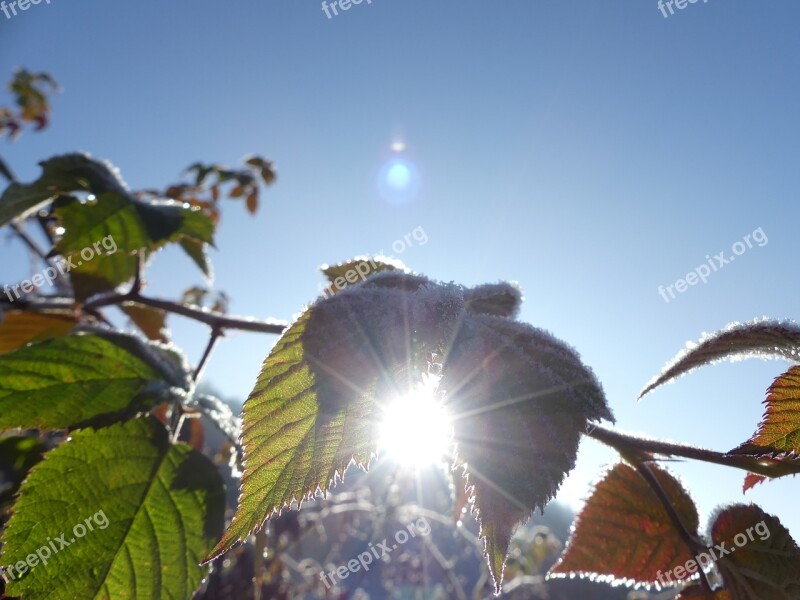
628, 444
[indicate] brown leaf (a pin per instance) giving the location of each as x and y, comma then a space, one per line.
625, 535
20, 328
764, 560
151, 321
252, 201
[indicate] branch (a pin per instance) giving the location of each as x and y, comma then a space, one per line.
689, 539
628, 444
215, 320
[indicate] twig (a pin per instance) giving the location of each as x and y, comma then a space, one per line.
215, 320
627, 444
216, 333
30, 242
689, 538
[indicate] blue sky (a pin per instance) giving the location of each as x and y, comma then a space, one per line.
589, 151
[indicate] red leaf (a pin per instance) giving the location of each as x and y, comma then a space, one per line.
752, 480
763, 562
625, 535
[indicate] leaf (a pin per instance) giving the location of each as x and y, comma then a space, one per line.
751, 480
20, 328
153, 516
499, 299
357, 270
17, 455
624, 534
104, 273
292, 447
197, 252
521, 400
60, 175
67, 381
252, 201
266, 168
152, 321
779, 430
317, 401
129, 223
763, 338
764, 560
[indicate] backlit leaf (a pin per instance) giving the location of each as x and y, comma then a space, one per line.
18, 328
356, 271
152, 321
624, 534
764, 560
763, 339
70, 380
138, 514
779, 431
521, 400
60, 175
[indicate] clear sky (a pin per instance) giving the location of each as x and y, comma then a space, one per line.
590, 151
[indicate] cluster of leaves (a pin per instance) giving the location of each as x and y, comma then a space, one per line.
77, 394
32, 106
30, 93
211, 180
628, 533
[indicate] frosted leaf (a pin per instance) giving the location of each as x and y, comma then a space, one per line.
501, 299
761, 338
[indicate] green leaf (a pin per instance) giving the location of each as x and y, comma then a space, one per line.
197, 252
763, 562
60, 175
71, 380
131, 224
761, 339
355, 271
137, 513
18, 328
521, 400
624, 534
292, 446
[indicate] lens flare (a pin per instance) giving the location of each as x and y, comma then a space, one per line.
415, 430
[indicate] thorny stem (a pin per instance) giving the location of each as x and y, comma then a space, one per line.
213, 319
690, 539
216, 333
627, 444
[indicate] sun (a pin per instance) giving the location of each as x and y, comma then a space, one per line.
415, 429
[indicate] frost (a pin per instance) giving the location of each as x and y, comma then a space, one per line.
760, 338
502, 299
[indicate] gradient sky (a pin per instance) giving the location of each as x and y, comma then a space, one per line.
589, 151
